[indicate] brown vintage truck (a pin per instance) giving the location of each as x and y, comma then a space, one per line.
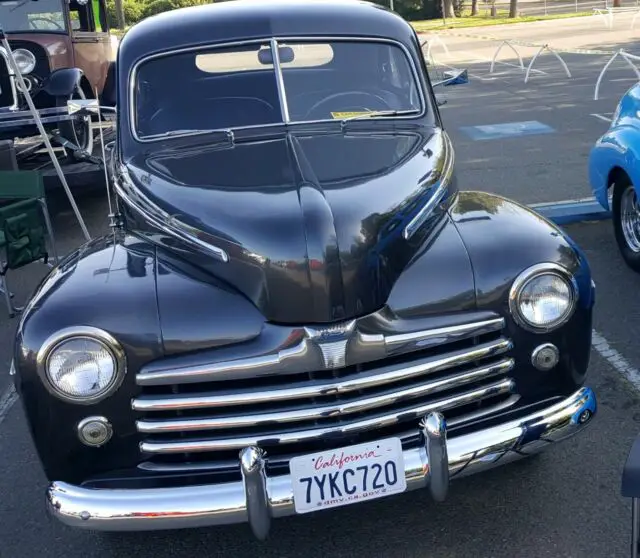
63, 50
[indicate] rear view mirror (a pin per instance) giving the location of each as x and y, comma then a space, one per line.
285, 54
453, 77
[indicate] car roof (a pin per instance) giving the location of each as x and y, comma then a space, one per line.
241, 20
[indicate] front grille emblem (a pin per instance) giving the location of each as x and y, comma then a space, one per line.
332, 341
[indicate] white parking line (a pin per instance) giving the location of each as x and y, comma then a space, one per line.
7, 401
615, 359
601, 117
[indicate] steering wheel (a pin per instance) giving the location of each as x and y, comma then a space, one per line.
47, 21
362, 101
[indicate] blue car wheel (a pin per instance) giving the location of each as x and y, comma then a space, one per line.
626, 221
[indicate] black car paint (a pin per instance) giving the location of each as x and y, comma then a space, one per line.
62, 82
456, 272
325, 211
161, 302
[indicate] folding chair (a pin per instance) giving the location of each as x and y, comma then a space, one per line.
24, 225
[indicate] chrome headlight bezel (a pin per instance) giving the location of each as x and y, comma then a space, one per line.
30, 56
96, 335
532, 273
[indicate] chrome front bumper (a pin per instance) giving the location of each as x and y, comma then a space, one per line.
258, 498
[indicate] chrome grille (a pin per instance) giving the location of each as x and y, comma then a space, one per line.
198, 416
7, 87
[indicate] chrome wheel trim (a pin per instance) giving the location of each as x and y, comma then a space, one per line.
630, 219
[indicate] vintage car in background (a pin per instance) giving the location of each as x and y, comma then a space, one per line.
614, 174
296, 308
63, 50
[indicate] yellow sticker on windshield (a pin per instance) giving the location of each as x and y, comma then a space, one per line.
349, 114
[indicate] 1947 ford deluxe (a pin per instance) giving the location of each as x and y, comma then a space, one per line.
296, 307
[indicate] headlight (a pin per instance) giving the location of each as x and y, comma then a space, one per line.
25, 60
543, 297
81, 365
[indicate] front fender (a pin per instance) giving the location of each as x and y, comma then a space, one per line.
63, 82
618, 148
503, 238
107, 284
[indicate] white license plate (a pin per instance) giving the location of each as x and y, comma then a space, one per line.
347, 475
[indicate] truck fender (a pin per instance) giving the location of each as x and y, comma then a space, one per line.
618, 148
62, 83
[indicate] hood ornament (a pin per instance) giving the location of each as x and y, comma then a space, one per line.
332, 341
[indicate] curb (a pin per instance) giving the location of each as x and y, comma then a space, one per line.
572, 211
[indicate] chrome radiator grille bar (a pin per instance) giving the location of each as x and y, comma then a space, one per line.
320, 412
298, 359
502, 387
197, 411
301, 390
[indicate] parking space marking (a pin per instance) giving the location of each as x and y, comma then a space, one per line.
506, 130
615, 359
483, 59
601, 116
7, 401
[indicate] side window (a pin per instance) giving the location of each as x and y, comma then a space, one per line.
100, 15
81, 15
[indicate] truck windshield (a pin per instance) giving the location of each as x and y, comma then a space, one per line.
32, 16
238, 86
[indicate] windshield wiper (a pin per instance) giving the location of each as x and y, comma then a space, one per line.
188, 132
381, 113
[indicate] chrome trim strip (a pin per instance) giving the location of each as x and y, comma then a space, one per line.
160, 218
436, 197
506, 386
29, 121
12, 78
418, 77
319, 412
218, 465
302, 358
282, 93
375, 378
449, 334
282, 362
152, 509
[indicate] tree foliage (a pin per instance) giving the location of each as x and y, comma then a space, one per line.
411, 10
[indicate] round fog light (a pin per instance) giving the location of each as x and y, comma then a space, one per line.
545, 357
94, 431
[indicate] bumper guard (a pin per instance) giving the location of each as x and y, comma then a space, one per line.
258, 498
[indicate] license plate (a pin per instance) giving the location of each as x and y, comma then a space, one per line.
348, 475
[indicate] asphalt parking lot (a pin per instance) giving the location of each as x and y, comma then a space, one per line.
563, 503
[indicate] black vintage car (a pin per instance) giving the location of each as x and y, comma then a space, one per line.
296, 308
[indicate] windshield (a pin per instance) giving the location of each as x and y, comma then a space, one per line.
29, 15
238, 86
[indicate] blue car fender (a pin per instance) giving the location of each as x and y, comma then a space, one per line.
62, 83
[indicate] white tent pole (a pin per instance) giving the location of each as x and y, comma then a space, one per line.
45, 137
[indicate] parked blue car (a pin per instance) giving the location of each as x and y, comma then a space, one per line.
614, 168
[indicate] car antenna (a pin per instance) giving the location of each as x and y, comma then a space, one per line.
112, 217
45, 137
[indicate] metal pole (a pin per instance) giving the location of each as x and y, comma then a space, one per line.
391, 5
444, 17
635, 526
45, 137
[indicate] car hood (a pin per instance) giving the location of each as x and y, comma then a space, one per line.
313, 224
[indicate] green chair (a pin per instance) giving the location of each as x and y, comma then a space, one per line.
25, 224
